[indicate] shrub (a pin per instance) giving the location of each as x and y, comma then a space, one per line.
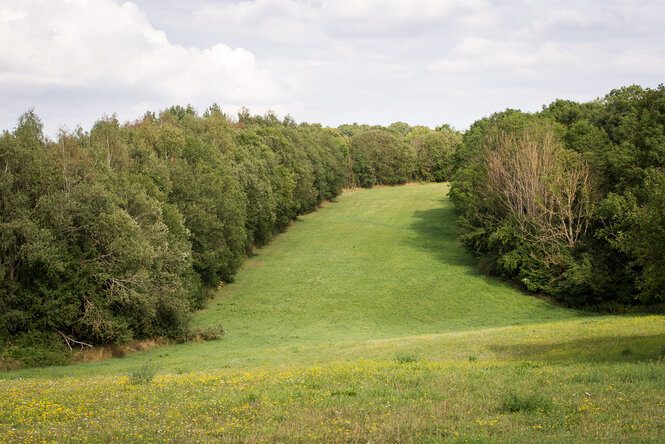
405, 358
525, 403
211, 333
143, 374
34, 349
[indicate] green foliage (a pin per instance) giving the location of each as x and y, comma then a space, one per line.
34, 349
616, 257
384, 158
526, 201
405, 358
434, 152
399, 153
119, 233
644, 238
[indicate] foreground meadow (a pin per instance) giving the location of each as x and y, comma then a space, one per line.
365, 322
509, 384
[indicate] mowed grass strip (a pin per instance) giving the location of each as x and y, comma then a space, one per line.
377, 263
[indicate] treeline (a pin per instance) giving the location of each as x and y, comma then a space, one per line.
399, 153
120, 232
570, 201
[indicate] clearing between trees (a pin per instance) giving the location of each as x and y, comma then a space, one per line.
365, 321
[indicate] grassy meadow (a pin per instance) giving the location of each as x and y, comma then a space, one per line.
364, 322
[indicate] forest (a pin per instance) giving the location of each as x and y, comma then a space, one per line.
121, 232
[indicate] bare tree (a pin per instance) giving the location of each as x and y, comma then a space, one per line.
543, 187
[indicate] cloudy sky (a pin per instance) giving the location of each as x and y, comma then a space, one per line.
367, 61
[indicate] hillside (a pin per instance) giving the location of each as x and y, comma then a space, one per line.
364, 321
374, 264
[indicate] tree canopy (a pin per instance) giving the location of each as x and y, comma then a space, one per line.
568, 201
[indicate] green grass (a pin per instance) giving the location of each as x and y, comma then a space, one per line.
365, 321
376, 264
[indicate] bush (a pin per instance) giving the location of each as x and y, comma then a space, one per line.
211, 333
35, 349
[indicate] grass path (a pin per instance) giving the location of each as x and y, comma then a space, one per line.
376, 264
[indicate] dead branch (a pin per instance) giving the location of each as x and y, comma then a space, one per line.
69, 341
545, 192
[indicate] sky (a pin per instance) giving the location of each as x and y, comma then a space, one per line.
425, 62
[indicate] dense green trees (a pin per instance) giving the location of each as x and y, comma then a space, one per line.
381, 158
569, 201
434, 152
399, 154
98, 258
118, 233
643, 239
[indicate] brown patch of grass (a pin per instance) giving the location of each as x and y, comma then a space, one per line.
116, 351
100, 353
254, 263
7, 364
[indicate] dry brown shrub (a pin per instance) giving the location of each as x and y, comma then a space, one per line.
546, 189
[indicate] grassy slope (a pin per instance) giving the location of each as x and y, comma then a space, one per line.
366, 320
376, 264
379, 263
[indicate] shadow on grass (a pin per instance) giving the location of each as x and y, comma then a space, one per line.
436, 233
602, 349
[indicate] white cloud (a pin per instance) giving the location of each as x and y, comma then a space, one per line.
403, 10
105, 48
305, 19
334, 61
567, 45
474, 54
